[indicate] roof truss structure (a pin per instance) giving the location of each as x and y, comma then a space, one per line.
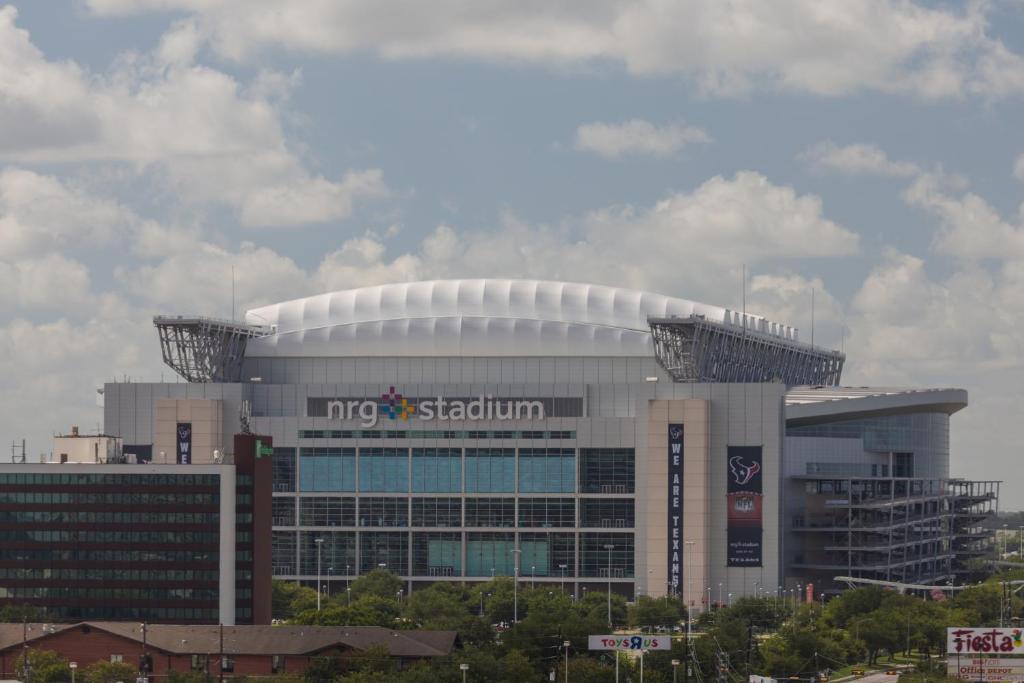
204, 349
695, 349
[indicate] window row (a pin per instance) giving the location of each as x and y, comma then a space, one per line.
133, 480
108, 517
334, 553
452, 470
150, 556
93, 536
83, 574
85, 497
447, 512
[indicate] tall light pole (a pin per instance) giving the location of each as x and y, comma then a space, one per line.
319, 543
1020, 545
566, 645
689, 584
720, 596
515, 585
675, 671
609, 547
563, 567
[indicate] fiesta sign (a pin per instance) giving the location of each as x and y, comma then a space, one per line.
985, 640
629, 643
394, 406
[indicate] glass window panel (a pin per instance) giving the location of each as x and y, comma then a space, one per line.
327, 511
544, 554
607, 513
437, 554
607, 470
282, 553
337, 552
283, 511
384, 512
490, 470
547, 512
490, 512
436, 470
384, 469
547, 470
327, 469
594, 556
490, 554
437, 512
283, 469
389, 548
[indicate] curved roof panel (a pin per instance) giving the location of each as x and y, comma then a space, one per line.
483, 317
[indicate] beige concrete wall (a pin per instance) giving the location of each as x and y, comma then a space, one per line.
207, 418
694, 415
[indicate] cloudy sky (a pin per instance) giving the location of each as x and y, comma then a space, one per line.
868, 150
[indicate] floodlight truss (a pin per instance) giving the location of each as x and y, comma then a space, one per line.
695, 349
204, 349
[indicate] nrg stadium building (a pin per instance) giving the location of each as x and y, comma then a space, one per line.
572, 434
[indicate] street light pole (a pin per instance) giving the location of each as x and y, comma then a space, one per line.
515, 586
609, 547
689, 601
563, 567
319, 542
675, 670
566, 645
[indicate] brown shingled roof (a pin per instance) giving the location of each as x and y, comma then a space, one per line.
239, 640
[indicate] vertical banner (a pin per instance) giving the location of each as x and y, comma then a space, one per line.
184, 449
744, 492
675, 507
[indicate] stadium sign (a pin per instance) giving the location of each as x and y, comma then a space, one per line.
968, 641
629, 643
394, 406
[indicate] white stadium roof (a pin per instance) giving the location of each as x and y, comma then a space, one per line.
482, 317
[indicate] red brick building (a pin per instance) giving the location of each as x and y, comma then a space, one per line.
240, 650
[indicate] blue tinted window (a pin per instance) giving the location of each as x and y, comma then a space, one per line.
384, 469
490, 554
490, 470
327, 469
436, 470
547, 470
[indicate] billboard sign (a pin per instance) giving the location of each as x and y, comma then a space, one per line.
675, 507
629, 643
996, 641
184, 443
985, 669
744, 492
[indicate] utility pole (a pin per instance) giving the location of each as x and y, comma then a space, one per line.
609, 548
221, 665
515, 586
319, 543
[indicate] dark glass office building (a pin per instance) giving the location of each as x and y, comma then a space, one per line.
152, 542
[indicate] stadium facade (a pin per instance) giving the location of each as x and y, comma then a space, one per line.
578, 435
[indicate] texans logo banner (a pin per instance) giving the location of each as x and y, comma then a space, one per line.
675, 507
745, 499
184, 445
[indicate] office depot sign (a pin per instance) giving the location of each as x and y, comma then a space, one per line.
996, 641
985, 670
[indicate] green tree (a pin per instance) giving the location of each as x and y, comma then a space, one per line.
652, 612
44, 666
379, 583
588, 669
108, 672
369, 610
322, 670
289, 599
19, 613
187, 677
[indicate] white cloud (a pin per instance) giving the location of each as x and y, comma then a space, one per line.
39, 213
858, 158
638, 137
896, 46
196, 128
970, 228
53, 282
688, 243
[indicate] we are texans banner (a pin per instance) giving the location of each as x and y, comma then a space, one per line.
675, 507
